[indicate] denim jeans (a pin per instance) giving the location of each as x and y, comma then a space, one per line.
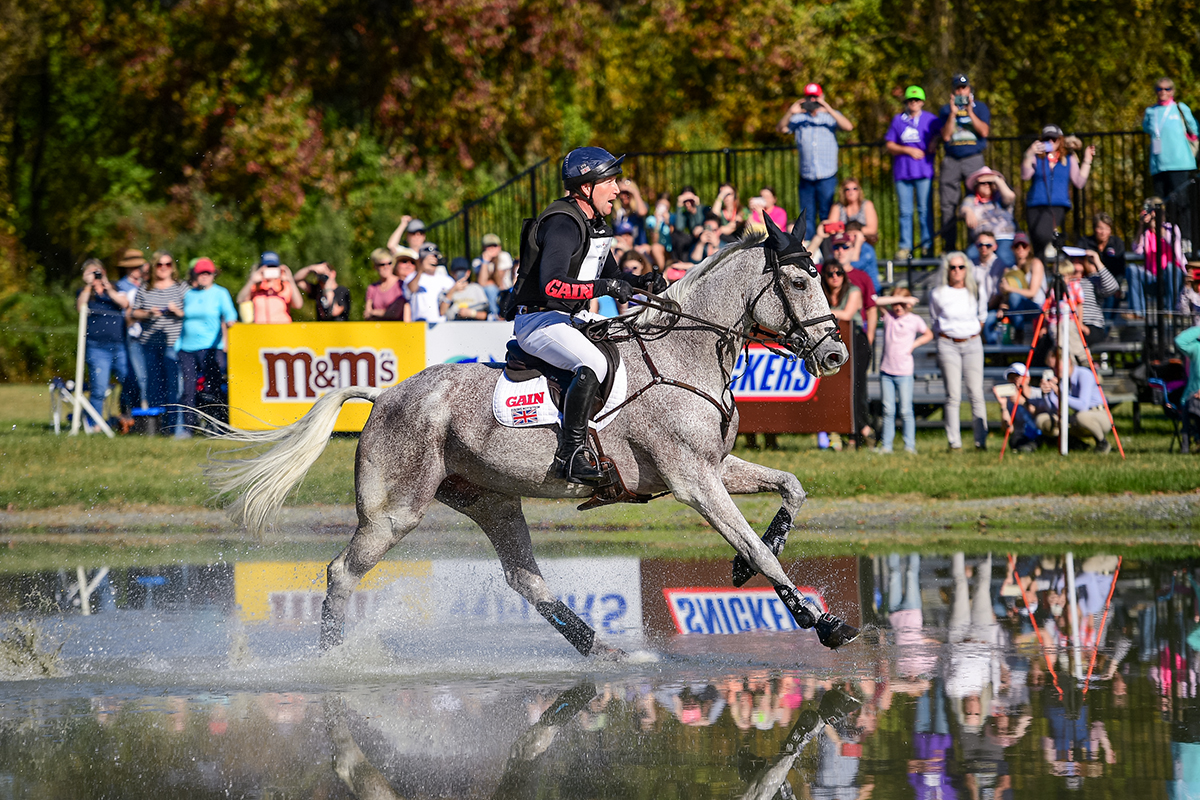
991, 327
493, 292
192, 366
1142, 283
1019, 307
924, 205
104, 360
162, 379
136, 391
902, 386
816, 198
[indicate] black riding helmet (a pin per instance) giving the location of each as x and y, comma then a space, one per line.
585, 165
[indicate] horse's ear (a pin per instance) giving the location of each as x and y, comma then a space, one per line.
777, 240
801, 226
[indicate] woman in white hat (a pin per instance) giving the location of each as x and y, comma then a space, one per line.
988, 206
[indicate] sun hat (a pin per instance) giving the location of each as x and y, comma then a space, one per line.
406, 252
983, 172
131, 259
914, 93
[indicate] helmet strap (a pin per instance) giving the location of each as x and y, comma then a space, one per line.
597, 217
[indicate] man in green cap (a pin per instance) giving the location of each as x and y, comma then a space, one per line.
911, 140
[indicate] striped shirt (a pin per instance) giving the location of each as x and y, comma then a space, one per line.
1085, 293
168, 324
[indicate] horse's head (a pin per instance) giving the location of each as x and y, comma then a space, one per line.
793, 302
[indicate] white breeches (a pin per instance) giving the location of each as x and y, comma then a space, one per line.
552, 337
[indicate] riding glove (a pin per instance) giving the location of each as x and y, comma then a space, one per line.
618, 289
652, 281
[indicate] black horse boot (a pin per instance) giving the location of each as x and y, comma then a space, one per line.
574, 460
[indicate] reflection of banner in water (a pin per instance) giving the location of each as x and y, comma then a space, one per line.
709, 610
292, 591
766, 376
604, 592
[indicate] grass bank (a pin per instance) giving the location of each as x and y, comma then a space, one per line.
39, 470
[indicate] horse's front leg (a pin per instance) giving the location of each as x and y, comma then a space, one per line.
743, 477
701, 488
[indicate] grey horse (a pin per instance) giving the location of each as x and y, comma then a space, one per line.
433, 437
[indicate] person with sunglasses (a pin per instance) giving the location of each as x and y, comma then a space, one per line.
159, 307
989, 272
386, 299
1172, 129
1051, 170
958, 309
845, 303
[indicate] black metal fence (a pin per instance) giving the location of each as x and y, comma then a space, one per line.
1119, 183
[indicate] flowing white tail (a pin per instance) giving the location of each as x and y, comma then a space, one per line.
264, 481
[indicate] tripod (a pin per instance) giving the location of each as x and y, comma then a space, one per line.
1067, 312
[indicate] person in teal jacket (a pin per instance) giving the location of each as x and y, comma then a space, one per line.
1188, 344
208, 311
1170, 124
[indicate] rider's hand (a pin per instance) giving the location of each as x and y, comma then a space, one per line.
619, 290
654, 281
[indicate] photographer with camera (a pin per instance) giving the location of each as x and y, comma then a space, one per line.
1085, 404
910, 140
1163, 259
1051, 170
966, 123
815, 123
689, 222
331, 298
272, 290
709, 240
104, 351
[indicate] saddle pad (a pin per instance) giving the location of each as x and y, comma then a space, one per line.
527, 404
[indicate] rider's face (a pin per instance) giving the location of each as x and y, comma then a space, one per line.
603, 194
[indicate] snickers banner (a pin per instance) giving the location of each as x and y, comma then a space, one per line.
277, 372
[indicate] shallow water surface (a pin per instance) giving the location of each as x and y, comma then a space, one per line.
205, 680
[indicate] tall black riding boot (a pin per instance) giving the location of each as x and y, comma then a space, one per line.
572, 461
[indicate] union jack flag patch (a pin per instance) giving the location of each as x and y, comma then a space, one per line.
525, 416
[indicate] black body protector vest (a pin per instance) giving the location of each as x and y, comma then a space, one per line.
586, 263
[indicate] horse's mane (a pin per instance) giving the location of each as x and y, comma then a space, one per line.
682, 289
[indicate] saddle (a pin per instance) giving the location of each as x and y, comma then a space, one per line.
529, 393
520, 366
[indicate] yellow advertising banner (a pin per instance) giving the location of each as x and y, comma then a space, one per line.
292, 591
276, 372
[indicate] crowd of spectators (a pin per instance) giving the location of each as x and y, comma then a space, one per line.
167, 333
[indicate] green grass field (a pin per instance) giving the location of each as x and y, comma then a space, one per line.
39, 470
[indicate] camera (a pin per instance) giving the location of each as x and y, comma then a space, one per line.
810, 105
835, 227
271, 273
961, 100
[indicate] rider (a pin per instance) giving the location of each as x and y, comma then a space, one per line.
565, 262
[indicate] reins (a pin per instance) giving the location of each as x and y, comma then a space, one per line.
741, 333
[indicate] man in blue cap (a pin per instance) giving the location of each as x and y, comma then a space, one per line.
966, 123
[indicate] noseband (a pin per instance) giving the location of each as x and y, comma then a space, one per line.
796, 341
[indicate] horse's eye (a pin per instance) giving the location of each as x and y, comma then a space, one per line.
800, 283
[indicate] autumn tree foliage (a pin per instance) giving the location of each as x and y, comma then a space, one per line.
230, 125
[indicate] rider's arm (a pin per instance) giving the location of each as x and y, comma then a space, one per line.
560, 236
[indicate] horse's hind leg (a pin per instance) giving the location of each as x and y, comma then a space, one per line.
743, 477
502, 520
382, 522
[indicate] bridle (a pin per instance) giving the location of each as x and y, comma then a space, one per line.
793, 343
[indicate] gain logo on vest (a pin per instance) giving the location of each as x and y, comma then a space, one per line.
298, 374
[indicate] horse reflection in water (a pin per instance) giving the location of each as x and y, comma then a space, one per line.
433, 437
520, 778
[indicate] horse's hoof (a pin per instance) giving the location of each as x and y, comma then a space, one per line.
742, 571
836, 705
834, 633
568, 704
606, 652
